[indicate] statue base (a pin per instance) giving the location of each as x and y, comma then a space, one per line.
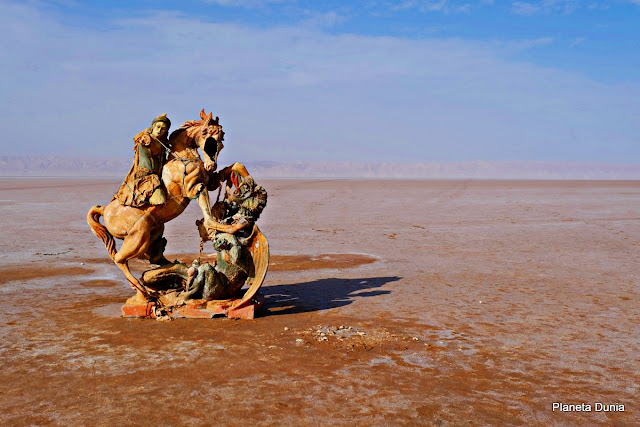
169, 306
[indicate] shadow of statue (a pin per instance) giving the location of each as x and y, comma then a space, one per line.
321, 294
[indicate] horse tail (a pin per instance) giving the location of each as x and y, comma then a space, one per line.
93, 219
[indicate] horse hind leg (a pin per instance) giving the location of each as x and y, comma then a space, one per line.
141, 292
155, 252
137, 242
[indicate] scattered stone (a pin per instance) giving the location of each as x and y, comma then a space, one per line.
286, 329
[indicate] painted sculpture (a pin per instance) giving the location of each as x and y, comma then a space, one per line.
166, 174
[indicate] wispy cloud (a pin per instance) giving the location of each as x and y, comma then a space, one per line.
297, 93
524, 44
444, 6
322, 19
524, 8
545, 6
577, 41
598, 6
247, 3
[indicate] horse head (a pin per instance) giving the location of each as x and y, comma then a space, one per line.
209, 137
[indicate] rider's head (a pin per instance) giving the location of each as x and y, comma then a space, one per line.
160, 126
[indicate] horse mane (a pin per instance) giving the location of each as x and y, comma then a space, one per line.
189, 124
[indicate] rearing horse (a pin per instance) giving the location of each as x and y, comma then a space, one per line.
185, 177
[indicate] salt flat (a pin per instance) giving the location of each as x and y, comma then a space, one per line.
463, 302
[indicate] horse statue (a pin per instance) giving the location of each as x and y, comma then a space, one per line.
185, 176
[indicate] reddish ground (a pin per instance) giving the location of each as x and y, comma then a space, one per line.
388, 302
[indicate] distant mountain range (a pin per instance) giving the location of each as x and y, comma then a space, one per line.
51, 166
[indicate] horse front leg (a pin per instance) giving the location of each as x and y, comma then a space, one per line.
193, 184
203, 202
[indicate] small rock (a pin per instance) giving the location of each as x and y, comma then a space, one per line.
286, 329
82, 263
299, 341
415, 339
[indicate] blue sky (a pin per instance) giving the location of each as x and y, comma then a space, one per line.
548, 80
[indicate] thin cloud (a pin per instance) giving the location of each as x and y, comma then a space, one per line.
577, 41
444, 6
246, 3
465, 8
523, 8
545, 7
524, 44
297, 93
323, 19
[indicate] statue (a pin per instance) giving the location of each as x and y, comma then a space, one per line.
156, 190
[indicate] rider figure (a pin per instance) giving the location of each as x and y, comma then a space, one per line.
143, 184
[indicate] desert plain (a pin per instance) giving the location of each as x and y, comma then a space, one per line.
387, 302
